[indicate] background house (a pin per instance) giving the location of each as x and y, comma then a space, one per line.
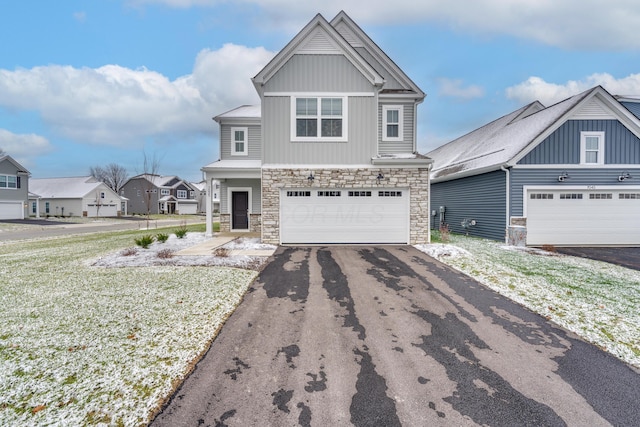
75, 196
14, 189
568, 174
329, 156
201, 195
160, 195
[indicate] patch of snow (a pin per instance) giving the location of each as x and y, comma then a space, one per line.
441, 250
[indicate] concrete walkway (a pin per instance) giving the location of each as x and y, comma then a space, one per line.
221, 239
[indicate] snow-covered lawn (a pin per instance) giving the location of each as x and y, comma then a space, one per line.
87, 345
596, 300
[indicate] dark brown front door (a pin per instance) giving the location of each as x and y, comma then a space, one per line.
240, 210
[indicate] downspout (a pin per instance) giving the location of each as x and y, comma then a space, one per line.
506, 170
429, 202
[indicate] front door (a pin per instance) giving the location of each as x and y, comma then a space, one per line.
240, 210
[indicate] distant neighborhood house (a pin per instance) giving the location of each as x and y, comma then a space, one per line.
73, 196
14, 189
158, 194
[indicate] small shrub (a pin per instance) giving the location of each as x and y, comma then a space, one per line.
144, 241
221, 252
444, 233
165, 254
181, 232
162, 237
129, 252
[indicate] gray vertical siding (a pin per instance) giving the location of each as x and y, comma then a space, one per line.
255, 142
279, 149
406, 145
549, 177
563, 146
254, 184
318, 73
480, 197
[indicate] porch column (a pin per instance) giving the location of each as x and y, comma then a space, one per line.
208, 207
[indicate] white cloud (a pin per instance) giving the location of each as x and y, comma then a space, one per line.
455, 88
118, 106
535, 88
80, 16
23, 147
589, 24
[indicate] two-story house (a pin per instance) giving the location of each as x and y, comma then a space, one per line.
563, 175
330, 154
14, 189
158, 194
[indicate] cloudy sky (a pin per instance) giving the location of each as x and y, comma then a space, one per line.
86, 83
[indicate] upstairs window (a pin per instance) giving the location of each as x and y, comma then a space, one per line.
181, 194
319, 119
165, 192
9, 181
392, 123
592, 148
239, 142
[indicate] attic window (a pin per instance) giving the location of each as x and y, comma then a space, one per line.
592, 148
318, 119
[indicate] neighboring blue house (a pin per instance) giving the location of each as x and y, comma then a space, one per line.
568, 174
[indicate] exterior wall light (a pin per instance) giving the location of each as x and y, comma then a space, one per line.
624, 176
563, 177
310, 178
380, 177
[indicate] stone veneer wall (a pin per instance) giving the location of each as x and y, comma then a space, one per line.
255, 223
417, 180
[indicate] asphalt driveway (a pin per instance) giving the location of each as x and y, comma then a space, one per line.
626, 257
388, 336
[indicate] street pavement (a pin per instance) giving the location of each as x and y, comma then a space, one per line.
387, 336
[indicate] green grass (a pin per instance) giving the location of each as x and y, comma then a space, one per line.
88, 345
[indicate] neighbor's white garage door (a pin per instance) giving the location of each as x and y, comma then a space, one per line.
106, 210
11, 210
344, 216
583, 217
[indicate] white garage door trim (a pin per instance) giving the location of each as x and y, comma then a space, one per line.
11, 209
582, 215
344, 215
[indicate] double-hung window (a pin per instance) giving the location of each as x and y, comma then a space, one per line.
181, 194
392, 123
592, 148
9, 181
239, 141
319, 118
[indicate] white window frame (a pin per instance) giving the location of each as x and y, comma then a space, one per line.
319, 138
245, 142
5, 181
181, 194
385, 123
583, 147
165, 192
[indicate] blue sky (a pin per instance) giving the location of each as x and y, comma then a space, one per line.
87, 83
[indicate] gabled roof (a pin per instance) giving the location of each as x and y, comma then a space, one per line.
508, 139
66, 188
321, 36
160, 180
18, 166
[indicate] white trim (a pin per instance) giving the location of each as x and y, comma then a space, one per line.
319, 138
583, 146
400, 109
578, 166
245, 142
230, 191
320, 94
527, 188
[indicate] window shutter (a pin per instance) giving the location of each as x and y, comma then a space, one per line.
18, 182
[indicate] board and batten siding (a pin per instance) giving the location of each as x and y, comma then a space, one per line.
318, 73
406, 145
255, 142
577, 177
563, 145
480, 197
256, 198
358, 150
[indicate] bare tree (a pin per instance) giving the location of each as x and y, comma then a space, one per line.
113, 175
150, 167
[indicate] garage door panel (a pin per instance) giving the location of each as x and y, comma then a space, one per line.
344, 216
599, 217
11, 210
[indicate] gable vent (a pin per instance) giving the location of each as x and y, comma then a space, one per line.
593, 110
319, 42
349, 36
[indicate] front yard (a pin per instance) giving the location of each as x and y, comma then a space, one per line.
86, 345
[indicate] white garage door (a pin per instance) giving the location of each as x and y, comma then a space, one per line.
11, 210
583, 217
106, 210
344, 216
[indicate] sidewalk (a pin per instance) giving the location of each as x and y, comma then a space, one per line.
221, 239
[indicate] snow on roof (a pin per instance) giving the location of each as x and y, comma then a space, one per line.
242, 112
234, 164
64, 188
496, 143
